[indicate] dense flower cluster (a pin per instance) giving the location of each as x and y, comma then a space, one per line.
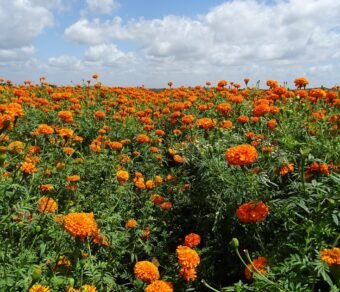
331, 256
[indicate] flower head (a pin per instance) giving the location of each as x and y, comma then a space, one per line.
39, 288
159, 286
241, 155
192, 240
80, 225
331, 256
187, 257
47, 205
260, 264
252, 212
146, 271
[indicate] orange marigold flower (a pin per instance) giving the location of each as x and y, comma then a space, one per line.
65, 116
188, 274
187, 257
100, 239
39, 288
252, 212
142, 138
301, 82
324, 169
166, 205
227, 124
150, 184
241, 155
47, 205
271, 124
159, 286
28, 168
122, 176
44, 129
331, 256
73, 178
285, 169
178, 159
99, 115
260, 110
65, 133
146, 271
260, 264
188, 119
131, 223
46, 187
157, 199
68, 150
192, 240
80, 225
243, 119
205, 123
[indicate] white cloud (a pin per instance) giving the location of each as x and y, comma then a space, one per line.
17, 54
108, 55
21, 22
65, 62
102, 6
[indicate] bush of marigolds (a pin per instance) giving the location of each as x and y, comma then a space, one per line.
206, 188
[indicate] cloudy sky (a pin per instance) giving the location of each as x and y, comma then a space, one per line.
151, 42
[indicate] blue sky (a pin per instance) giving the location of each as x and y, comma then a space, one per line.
150, 42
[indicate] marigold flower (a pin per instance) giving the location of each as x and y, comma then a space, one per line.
47, 205
88, 288
241, 155
178, 159
100, 115
243, 119
73, 178
159, 286
260, 264
166, 205
64, 261
252, 212
16, 146
131, 223
187, 257
285, 169
146, 271
331, 256
205, 123
157, 199
188, 274
142, 138
39, 288
122, 176
44, 129
80, 225
65, 116
150, 184
100, 239
68, 150
28, 168
192, 240
271, 124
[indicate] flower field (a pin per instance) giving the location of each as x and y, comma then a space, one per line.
207, 188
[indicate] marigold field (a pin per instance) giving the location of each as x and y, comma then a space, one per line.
207, 188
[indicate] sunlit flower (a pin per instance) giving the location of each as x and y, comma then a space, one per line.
80, 225
47, 205
252, 212
241, 155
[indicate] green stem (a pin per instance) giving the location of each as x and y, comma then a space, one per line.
208, 286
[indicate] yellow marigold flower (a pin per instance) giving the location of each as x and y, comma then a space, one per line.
146, 271
80, 225
16, 146
89, 288
47, 205
159, 286
241, 155
331, 256
122, 176
39, 288
187, 257
44, 129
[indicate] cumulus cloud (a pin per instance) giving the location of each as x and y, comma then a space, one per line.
236, 33
108, 55
21, 22
17, 54
65, 62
